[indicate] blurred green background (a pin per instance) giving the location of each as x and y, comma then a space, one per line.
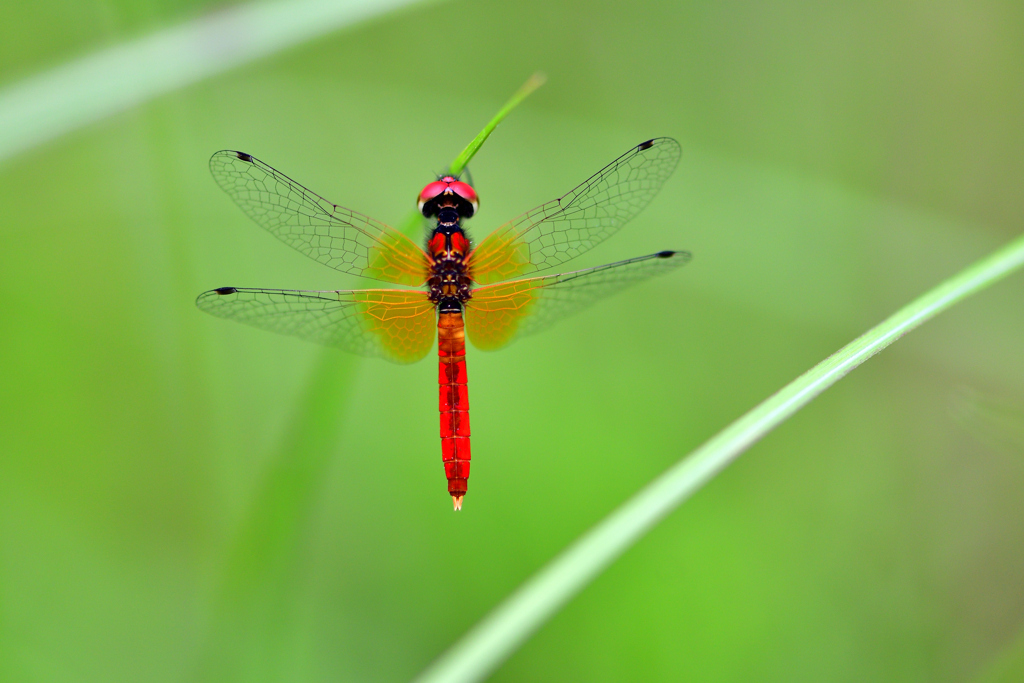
187, 499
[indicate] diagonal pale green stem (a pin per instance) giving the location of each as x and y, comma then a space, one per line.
415, 220
253, 602
85, 90
532, 83
501, 632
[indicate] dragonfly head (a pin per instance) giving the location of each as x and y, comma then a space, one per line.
448, 191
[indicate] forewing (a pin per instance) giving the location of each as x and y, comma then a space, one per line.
566, 227
394, 324
499, 313
332, 235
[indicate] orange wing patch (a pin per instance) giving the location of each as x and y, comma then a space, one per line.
396, 258
504, 254
494, 313
402, 320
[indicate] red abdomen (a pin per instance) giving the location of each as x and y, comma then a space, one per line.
454, 403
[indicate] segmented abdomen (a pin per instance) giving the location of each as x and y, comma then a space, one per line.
454, 403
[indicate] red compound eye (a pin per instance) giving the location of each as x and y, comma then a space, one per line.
432, 190
453, 188
465, 191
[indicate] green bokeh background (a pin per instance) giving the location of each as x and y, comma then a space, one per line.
187, 499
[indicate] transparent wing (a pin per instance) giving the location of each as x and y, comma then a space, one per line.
332, 235
566, 227
395, 324
499, 313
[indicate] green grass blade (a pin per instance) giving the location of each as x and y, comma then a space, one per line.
534, 82
253, 603
1008, 666
502, 631
73, 95
415, 221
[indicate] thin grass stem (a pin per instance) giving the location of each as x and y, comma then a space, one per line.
532, 83
412, 225
47, 105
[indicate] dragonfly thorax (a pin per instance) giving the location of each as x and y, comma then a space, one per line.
448, 278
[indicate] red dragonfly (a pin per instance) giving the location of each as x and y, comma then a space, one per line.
464, 289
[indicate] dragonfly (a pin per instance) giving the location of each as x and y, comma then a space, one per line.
462, 289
